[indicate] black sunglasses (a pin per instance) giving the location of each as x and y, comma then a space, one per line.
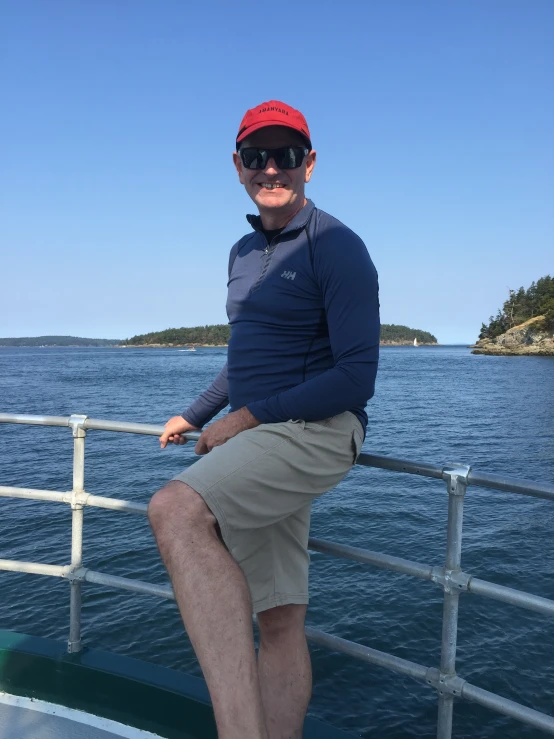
286, 157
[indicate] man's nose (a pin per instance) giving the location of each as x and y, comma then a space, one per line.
271, 167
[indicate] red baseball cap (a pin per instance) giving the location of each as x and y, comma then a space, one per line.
273, 113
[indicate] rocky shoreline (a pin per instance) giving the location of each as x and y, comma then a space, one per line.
529, 338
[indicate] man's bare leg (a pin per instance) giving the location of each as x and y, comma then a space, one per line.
285, 670
215, 605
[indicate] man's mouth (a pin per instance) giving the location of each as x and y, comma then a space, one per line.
270, 185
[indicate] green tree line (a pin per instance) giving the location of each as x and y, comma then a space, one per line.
58, 341
220, 333
521, 305
217, 334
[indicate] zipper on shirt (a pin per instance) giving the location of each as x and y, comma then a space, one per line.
268, 252
272, 244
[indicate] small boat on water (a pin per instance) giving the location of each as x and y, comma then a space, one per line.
188, 349
415, 342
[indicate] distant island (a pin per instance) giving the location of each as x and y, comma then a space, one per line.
524, 325
391, 333
58, 341
216, 335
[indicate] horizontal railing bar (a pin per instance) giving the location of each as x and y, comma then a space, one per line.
427, 469
366, 654
427, 572
511, 484
125, 583
114, 504
34, 568
475, 478
100, 578
510, 595
30, 494
385, 561
34, 420
419, 672
94, 424
508, 707
93, 501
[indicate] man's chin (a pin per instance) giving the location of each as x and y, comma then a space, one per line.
271, 203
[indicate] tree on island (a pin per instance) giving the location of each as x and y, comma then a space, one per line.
521, 305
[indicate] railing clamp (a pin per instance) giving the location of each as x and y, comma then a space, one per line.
451, 580
74, 647
78, 500
77, 424
445, 683
456, 476
76, 574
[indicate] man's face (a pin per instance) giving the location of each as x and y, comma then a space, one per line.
289, 195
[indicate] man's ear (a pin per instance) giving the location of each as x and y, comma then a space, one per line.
238, 166
310, 164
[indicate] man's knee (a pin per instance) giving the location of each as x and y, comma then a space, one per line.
178, 504
282, 623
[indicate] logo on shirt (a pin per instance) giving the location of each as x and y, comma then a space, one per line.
288, 275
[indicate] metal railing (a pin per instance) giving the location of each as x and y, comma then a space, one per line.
450, 578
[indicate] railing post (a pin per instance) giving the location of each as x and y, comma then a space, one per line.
77, 424
456, 477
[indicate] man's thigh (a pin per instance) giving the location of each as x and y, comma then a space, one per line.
265, 474
260, 484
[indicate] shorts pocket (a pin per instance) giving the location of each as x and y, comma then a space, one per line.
298, 425
357, 442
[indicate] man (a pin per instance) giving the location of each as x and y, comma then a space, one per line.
232, 529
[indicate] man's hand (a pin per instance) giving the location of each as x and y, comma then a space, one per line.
173, 430
221, 431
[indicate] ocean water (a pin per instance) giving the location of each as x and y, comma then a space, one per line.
432, 403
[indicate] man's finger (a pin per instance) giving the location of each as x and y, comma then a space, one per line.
164, 438
201, 447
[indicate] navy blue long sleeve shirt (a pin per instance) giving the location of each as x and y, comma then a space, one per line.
304, 316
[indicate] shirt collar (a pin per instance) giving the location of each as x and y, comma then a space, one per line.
296, 224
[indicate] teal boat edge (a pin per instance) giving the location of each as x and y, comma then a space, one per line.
133, 692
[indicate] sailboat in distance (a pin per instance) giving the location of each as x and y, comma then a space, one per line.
415, 342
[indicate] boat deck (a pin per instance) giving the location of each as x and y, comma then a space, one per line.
27, 718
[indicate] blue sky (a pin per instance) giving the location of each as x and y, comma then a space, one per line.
433, 123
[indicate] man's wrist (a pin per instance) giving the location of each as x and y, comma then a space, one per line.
250, 421
188, 420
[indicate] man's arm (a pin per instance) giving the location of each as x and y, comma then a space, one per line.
208, 405
212, 400
348, 281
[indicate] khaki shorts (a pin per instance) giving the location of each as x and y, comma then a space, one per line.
260, 485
